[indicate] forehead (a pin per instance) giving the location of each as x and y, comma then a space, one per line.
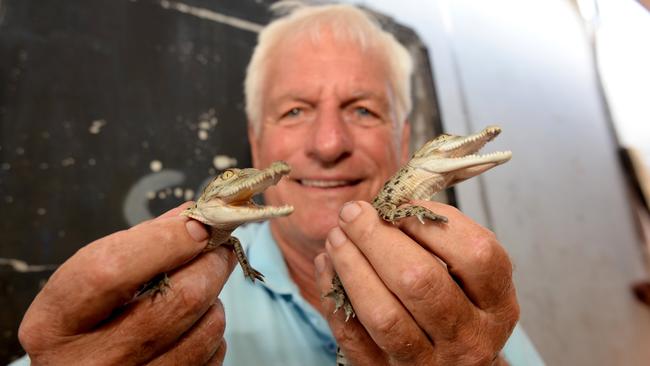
308, 65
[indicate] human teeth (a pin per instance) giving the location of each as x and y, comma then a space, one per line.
324, 183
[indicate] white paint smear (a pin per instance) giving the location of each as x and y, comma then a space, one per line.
155, 166
223, 161
212, 15
96, 126
22, 266
178, 192
204, 125
67, 161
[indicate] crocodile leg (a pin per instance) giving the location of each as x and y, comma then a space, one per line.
161, 283
249, 271
158, 285
341, 301
340, 298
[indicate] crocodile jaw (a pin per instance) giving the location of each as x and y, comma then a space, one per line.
456, 158
227, 203
250, 182
218, 214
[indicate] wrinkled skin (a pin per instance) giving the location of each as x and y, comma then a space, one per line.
79, 317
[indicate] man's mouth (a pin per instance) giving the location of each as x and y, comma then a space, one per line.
319, 183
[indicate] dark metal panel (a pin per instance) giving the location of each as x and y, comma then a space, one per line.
114, 111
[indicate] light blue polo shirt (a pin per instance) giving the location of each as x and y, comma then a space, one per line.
271, 324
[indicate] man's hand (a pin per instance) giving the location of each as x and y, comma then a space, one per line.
83, 314
432, 294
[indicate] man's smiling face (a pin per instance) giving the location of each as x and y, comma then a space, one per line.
328, 110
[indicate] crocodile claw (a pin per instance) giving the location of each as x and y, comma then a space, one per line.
341, 299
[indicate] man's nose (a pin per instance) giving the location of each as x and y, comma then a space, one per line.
330, 138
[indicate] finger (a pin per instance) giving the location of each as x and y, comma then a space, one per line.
171, 213
201, 343
149, 327
387, 321
354, 340
219, 356
474, 257
106, 273
419, 280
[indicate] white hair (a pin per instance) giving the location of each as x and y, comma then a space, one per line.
346, 23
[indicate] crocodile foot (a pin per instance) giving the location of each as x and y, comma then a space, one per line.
158, 285
250, 272
341, 299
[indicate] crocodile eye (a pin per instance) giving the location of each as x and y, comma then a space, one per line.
227, 174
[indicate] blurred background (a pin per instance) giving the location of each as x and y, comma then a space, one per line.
112, 111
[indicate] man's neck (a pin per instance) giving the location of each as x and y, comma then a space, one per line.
300, 262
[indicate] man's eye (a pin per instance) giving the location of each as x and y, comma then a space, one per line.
363, 116
294, 112
363, 111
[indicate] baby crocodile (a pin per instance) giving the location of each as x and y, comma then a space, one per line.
226, 203
439, 164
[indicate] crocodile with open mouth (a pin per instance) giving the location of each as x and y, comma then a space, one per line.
227, 203
438, 164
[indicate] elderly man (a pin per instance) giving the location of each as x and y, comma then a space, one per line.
328, 92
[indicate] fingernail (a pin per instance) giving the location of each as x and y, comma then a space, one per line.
336, 237
319, 262
196, 230
350, 211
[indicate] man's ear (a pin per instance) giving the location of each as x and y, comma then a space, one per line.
253, 141
405, 142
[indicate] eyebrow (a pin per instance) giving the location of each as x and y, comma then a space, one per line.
363, 95
355, 97
293, 97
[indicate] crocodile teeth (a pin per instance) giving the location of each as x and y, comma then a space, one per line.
496, 154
